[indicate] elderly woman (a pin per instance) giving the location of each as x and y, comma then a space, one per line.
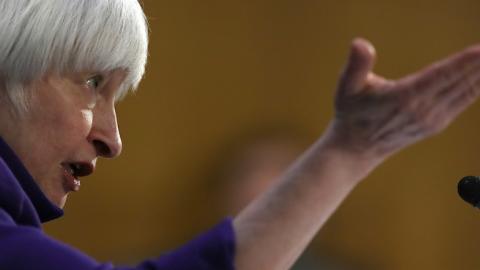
65, 63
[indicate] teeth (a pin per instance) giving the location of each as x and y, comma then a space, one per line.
69, 169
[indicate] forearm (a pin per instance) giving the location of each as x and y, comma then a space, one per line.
374, 118
273, 230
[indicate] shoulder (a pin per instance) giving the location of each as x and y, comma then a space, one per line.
5, 172
10, 189
5, 218
25, 247
12, 197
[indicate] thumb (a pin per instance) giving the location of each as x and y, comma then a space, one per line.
360, 64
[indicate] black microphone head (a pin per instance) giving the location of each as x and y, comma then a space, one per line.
469, 190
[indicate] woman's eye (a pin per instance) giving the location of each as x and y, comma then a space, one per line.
94, 82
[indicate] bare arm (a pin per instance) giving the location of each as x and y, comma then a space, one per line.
374, 118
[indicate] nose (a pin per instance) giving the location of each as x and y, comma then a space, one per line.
104, 135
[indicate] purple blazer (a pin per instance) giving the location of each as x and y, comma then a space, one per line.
24, 246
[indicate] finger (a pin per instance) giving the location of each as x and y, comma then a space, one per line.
377, 82
438, 76
359, 66
467, 92
459, 83
446, 110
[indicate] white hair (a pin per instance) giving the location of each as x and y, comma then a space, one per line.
40, 36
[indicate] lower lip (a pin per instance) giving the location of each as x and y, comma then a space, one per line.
71, 183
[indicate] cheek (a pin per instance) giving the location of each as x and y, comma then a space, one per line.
81, 124
87, 118
63, 135
73, 127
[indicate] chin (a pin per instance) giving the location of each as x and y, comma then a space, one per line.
61, 203
58, 199
56, 194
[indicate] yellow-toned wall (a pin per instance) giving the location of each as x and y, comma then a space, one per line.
218, 68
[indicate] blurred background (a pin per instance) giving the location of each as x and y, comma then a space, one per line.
222, 74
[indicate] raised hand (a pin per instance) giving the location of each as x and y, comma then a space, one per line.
379, 117
375, 117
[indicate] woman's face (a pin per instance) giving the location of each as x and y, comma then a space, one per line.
70, 122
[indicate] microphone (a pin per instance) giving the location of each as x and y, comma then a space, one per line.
469, 190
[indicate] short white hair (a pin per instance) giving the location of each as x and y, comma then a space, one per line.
40, 36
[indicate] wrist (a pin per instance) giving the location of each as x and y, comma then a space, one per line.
355, 160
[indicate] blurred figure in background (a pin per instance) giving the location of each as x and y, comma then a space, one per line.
251, 165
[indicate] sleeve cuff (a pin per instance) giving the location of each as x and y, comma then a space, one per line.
213, 250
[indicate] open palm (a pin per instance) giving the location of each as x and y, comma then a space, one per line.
379, 116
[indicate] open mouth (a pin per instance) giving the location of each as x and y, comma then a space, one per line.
72, 172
